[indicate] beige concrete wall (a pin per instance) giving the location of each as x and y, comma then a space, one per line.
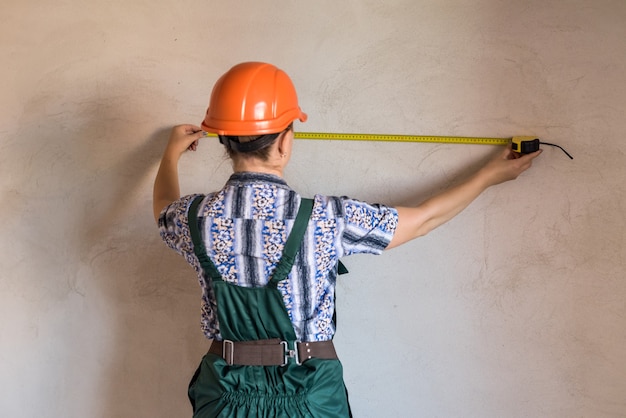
514, 309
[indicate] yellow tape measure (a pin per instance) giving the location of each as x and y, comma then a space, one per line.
402, 138
521, 144
396, 138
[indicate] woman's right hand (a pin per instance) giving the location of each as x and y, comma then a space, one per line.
419, 220
505, 166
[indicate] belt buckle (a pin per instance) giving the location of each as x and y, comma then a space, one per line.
290, 353
228, 354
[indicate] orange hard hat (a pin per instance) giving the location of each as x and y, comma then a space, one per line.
252, 98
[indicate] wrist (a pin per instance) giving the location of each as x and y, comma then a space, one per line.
171, 155
482, 179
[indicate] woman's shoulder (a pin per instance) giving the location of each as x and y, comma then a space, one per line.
338, 204
334, 206
347, 207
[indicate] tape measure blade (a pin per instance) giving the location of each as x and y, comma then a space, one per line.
394, 138
400, 138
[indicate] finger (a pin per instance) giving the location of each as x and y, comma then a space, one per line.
513, 155
193, 129
526, 160
509, 154
187, 128
192, 137
532, 155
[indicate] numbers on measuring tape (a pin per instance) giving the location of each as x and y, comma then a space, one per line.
401, 138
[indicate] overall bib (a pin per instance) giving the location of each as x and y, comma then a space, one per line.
312, 389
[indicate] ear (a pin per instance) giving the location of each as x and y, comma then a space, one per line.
285, 142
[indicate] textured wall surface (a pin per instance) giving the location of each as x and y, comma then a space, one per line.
516, 308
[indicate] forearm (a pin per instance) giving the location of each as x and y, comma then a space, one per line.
417, 221
441, 208
166, 185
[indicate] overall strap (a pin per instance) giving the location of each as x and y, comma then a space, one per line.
198, 245
293, 242
289, 252
341, 269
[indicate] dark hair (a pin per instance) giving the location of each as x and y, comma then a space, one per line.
257, 146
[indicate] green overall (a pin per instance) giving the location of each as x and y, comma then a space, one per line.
312, 389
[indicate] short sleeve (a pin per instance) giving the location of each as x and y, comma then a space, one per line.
369, 228
173, 225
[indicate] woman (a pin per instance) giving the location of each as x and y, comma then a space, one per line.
267, 258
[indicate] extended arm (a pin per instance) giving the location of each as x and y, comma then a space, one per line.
166, 187
417, 221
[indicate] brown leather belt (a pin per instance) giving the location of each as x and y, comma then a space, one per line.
273, 352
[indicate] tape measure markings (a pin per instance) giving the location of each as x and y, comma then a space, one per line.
396, 138
401, 138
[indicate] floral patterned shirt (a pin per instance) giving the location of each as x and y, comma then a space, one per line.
245, 226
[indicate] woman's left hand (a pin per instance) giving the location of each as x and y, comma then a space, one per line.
166, 187
183, 138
